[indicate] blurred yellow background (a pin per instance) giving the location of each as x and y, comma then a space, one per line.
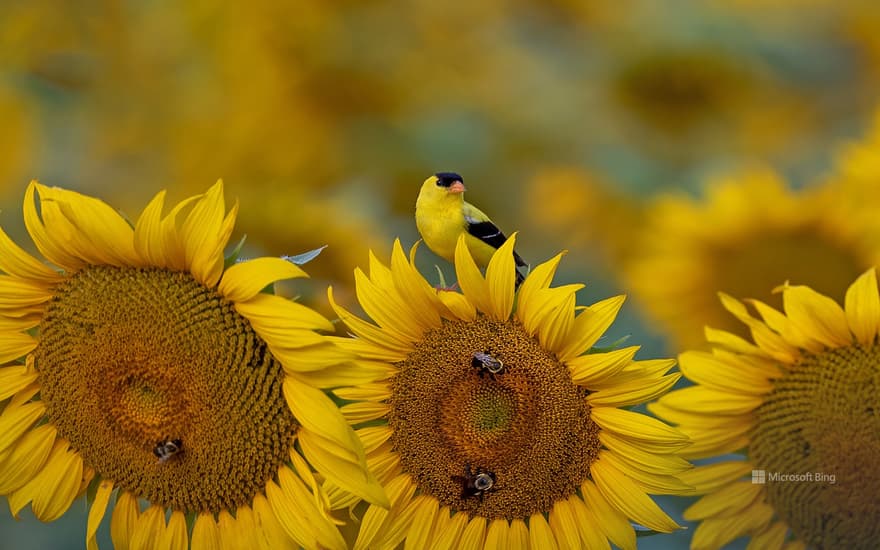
676, 148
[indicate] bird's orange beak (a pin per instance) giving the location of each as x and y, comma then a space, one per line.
456, 187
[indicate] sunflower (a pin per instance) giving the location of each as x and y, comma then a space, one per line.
493, 427
750, 234
584, 209
146, 367
801, 403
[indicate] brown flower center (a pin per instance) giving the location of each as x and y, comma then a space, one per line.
525, 430
820, 429
138, 364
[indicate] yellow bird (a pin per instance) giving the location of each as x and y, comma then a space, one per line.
442, 215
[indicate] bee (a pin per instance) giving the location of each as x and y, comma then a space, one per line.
164, 450
484, 362
475, 482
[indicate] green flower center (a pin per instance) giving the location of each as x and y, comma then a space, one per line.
455, 421
820, 429
131, 360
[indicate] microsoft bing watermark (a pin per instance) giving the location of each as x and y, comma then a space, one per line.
761, 477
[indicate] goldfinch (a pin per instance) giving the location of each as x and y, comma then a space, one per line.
442, 215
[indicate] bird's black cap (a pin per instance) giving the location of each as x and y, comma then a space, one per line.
445, 179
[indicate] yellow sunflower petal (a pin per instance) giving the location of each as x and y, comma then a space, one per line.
205, 533
400, 523
451, 536
563, 523
586, 332
244, 280
267, 312
367, 331
234, 531
51, 244
632, 393
501, 280
204, 234
458, 305
663, 464
55, 487
26, 458
317, 412
376, 519
610, 521
717, 532
413, 288
588, 369
387, 309
469, 277
341, 466
700, 398
169, 232
712, 371
424, 518
638, 426
771, 538
15, 378
649, 480
294, 507
539, 278
648, 369
357, 413
711, 442
15, 421
697, 419
441, 522
725, 501
149, 243
474, 535
18, 263
291, 517
347, 373
102, 235
266, 521
555, 328
792, 333
540, 535
96, 513
732, 342
862, 307
125, 517
377, 391
176, 537
149, 529
817, 315
496, 536
16, 294
587, 525
764, 337
518, 535
627, 497
708, 478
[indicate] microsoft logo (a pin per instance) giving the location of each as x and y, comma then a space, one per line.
759, 477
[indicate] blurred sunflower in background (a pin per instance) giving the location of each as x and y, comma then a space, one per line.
800, 401
749, 234
145, 366
495, 426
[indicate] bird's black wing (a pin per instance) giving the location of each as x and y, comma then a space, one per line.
489, 233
